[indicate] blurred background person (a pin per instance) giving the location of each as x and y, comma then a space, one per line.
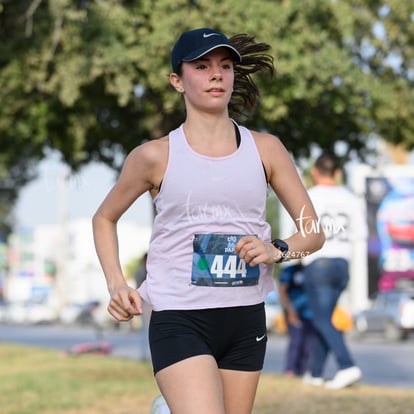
341, 216
298, 319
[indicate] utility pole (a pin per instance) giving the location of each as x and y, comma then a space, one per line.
62, 282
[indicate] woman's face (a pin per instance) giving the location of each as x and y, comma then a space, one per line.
208, 81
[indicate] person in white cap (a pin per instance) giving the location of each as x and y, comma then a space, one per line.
211, 255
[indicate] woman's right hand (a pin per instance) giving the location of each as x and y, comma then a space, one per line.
125, 303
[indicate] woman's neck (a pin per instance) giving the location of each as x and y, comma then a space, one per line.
209, 128
213, 138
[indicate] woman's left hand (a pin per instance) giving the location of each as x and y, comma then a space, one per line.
255, 251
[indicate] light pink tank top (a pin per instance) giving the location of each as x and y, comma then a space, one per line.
205, 202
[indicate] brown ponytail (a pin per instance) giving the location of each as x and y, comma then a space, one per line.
254, 59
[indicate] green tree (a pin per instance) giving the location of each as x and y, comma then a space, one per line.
90, 78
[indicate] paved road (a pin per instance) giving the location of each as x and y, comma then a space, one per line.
384, 364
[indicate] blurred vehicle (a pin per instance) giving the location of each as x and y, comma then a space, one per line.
92, 313
15, 312
70, 313
40, 312
79, 313
273, 310
391, 314
33, 311
87, 313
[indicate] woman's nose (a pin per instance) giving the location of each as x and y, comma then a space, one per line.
216, 73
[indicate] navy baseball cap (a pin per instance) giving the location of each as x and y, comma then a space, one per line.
193, 44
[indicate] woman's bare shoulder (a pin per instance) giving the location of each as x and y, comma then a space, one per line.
269, 145
273, 153
147, 163
265, 138
151, 152
152, 147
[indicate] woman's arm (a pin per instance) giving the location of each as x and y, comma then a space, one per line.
289, 188
285, 181
141, 170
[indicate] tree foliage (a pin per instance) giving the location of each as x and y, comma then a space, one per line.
90, 77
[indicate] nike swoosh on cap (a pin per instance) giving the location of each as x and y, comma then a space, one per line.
210, 34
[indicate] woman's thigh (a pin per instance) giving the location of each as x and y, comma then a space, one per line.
192, 386
239, 389
196, 385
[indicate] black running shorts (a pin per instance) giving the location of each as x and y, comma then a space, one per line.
235, 336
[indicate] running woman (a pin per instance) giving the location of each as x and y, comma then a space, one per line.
211, 257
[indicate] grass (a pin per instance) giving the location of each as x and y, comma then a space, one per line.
38, 381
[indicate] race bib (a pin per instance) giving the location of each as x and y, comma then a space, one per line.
215, 262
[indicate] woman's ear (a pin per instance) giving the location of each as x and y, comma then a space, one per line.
175, 81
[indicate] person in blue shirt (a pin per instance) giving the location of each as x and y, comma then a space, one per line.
298, 319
